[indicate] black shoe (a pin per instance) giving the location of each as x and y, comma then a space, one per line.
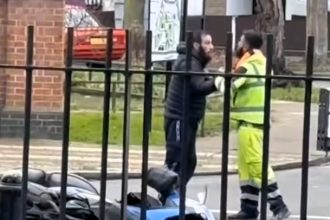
283, 214
243, 215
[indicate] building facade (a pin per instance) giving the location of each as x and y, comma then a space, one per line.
47, 99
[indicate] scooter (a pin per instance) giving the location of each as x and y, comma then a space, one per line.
83, 199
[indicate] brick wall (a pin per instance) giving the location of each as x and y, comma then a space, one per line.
47, 99
45, 125
215, 7
3, 15
48, 18
3, 78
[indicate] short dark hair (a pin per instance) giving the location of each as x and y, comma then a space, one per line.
198, 36
253, 38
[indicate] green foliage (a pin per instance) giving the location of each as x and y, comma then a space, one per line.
294, 94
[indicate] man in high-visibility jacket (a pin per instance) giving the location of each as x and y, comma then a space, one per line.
248, 111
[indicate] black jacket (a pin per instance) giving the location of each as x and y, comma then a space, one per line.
200, 87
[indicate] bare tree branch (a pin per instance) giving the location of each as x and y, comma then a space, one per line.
78, 18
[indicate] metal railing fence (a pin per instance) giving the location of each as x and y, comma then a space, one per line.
148, 73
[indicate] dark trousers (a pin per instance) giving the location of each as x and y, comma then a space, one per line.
250, 199
174, 149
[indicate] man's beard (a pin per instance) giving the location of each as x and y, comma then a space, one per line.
206, 58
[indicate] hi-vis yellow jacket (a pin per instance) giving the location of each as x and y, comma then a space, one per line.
248, 94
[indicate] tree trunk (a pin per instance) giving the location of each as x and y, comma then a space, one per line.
134, 21
317, 19
270, 19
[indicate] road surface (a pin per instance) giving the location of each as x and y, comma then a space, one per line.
289, 182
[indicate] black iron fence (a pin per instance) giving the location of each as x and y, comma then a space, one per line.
148, 74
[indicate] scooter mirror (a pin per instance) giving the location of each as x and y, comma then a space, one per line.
202, 196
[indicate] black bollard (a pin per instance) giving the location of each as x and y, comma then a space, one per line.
10, 195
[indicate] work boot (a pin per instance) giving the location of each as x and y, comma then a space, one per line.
243, 215
283, 214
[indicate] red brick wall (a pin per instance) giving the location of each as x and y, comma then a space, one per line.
48, 18
3, 15
3, 78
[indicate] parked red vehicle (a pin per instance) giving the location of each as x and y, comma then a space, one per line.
90, 39
90, 43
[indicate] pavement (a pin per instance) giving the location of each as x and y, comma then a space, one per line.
289, 182
85, 159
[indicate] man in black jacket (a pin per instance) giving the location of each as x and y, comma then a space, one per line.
200, 87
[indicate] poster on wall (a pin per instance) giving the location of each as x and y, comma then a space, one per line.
165, 16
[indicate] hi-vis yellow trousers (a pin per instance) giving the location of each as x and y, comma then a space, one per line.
250, 142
